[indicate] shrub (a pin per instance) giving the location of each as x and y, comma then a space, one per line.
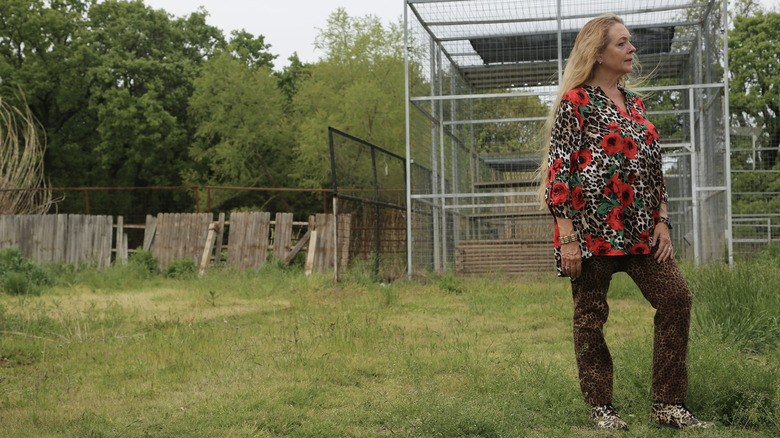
145, 261
181, 269
19, 275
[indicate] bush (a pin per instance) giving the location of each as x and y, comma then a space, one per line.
19, 275
181, 269
144, 261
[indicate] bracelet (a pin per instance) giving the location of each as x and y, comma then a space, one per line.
568, 239
665, 220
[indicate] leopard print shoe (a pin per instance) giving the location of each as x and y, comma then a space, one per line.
677, 416
606, 417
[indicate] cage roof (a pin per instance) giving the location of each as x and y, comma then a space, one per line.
510, 43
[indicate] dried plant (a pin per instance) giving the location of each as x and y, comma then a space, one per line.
22, 183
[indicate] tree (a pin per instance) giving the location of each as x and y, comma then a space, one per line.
754, 56
109, 83
358, 87
291, 76
242, 136
509, 137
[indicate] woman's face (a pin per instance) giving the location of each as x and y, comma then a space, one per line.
617, 57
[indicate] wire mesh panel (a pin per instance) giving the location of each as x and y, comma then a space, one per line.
369, 184
756, 188
482, 75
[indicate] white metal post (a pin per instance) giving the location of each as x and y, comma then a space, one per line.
727, 133
442, 163
694, 177
408, 146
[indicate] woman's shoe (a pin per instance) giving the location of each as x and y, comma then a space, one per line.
677, 416
606, 417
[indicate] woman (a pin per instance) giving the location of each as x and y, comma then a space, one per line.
606, 192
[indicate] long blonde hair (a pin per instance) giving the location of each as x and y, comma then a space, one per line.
591, 41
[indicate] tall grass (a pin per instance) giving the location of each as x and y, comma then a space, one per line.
740, 304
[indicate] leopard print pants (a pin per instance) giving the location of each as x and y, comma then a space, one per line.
664, 287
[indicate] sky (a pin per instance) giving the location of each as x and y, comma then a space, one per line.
291, 25
287, 25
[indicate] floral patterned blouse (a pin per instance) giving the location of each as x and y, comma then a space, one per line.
605, 173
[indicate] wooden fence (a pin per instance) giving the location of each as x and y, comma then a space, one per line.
60, 238
252, 237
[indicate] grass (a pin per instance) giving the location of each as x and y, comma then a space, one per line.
273, 352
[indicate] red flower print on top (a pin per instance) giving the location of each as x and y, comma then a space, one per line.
554, 169
578, 97
640, 248
560, 192
600, 246
639, 103
557, 236
644, 236
625, 194
577, 199
637, 116
612, 185
612, 143
557, 165
629, 148
584, 158
614, 127
615, 219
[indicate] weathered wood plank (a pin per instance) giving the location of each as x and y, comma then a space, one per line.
208, 247
220, 237
301, 243
262, 236
283, 235
344, 231
120, 232
61, 238
311, 254
150, 230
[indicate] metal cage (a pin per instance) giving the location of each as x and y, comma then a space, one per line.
481, 76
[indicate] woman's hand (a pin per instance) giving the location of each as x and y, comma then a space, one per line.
571, 260
663, 242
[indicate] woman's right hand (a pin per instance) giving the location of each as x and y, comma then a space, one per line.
571, 260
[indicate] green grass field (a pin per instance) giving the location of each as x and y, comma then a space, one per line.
272, 353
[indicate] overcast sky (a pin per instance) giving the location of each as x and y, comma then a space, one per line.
287, 25
291, 25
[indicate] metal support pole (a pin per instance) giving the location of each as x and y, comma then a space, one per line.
434, 188
407, 162
560, 44
727, 134
377, 232
694, 178
442, 166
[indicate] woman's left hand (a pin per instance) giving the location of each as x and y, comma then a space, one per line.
663, 242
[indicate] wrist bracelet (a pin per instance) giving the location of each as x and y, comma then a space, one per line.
665, 220
568, 239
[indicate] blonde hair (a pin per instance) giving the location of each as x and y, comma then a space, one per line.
591, 41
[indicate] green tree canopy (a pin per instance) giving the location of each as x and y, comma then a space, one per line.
358, 87
243, 137
754, 57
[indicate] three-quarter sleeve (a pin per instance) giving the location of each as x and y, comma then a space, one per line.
564, 142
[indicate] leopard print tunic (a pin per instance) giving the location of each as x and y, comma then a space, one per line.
605, 173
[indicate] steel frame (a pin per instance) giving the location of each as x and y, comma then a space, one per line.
441, 200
